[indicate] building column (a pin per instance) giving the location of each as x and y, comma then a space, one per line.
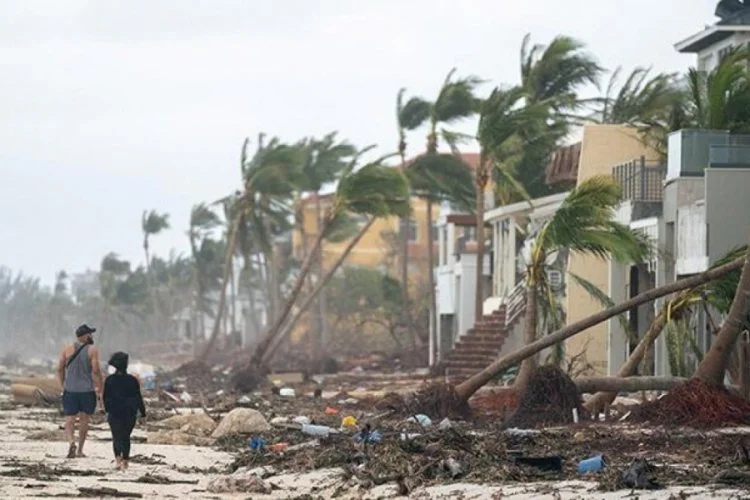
617, 345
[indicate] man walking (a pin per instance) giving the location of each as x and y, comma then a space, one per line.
81, 378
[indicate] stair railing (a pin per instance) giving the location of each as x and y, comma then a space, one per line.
515, 303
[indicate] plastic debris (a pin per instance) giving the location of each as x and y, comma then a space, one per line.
368, 436
318, 430
331, 411
445, 424
185, 397
257, 444
596, 463
348, 422
453, 467
287, 392
302, 420
279, 447
421, 419
638, 476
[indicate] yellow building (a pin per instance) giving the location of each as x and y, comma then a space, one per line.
379, 247
602, 147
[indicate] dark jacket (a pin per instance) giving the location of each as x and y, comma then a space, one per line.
122, 396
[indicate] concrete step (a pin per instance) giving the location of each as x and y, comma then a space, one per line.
482, 337
478, 350
457, 358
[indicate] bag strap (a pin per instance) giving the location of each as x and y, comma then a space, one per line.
75, 355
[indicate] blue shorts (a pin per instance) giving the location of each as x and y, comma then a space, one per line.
78, 402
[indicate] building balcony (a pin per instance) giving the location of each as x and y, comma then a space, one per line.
641, 180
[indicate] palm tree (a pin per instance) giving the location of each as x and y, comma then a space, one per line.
455, 102
326, 158
504, 120
712, 368
203, 221
641, 100
374, 190
152, 223
584, 223
270, 173
718, 293
551, 75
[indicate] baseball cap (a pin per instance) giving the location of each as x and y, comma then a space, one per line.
84, 329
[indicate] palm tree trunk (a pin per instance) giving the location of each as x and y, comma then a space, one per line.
265, 344
315, 292
404, 241
714, 364
467, 388
233, 303
150, 285
321, 341
528, 365
601, 399
231, 244
431, 275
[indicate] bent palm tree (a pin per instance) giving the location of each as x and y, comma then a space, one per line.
152, 223
270, 172
584, 223
455, 102
375, 190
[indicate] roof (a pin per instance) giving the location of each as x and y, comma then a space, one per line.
524, 207
710, 36
563, 164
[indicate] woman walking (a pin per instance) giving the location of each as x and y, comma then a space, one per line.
122, 401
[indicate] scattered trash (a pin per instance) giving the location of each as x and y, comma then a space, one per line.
257, 444
638, 476
409, 436
318, 430
596, 463
515, 432
302, 420
318, 393
243, 400
445, 424
368, 436
279, 447
331, 411
453, 467
349, 422
287, 392
185, 397
551, 463
421, 419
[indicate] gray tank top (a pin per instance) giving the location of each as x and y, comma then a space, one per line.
78, 373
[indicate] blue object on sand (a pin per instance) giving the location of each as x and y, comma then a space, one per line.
596, 463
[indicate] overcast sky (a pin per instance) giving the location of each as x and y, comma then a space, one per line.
112, 107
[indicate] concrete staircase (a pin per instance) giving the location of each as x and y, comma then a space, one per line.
482, 344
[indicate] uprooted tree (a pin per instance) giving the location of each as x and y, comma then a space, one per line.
466, 389
719, 293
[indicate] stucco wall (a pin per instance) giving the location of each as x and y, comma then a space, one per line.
727, 209
604, 146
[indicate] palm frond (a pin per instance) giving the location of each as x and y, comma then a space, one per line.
604, 300
442, 177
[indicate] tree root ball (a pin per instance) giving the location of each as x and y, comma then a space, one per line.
550, 398
248, 379
696, 404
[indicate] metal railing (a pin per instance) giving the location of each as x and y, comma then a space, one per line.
515, 303
641, 180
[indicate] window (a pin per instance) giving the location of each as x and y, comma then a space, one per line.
435, 233
724, 51
470, 233
410, 226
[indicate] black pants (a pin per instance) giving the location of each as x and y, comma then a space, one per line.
122, 427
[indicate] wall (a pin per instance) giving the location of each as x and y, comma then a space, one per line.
374, 247
603, 147
708, 58
727, 209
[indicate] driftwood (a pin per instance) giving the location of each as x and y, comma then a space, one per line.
626, 384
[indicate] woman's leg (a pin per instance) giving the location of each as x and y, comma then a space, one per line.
127, 431
117, 428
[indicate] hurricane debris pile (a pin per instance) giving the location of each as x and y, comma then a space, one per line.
696, 404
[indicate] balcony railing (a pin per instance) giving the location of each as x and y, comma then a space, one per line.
641, 180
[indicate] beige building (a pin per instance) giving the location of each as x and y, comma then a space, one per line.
602, 148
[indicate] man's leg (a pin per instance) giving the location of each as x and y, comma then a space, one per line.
83, 430
70, 408
87, 408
